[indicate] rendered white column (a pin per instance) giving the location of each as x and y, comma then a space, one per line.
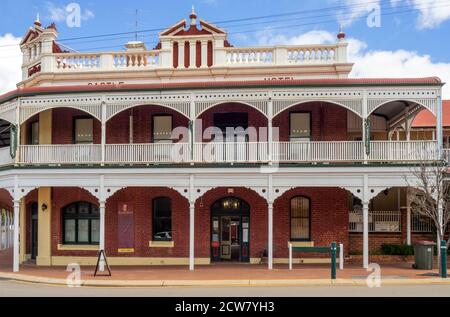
191, 236
102, 233
270, 236
270, 128
204, 54
365, 235
16, 236
408, 219
364, 117
192, 54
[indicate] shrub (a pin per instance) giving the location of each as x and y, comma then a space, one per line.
397, 249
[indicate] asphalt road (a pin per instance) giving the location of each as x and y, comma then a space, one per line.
16, 289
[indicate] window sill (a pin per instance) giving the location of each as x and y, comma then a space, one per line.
161, 244
62, 247
301, 244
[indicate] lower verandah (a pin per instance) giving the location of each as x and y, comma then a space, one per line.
303, 216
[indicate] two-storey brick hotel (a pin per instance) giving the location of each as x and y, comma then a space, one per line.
197, 151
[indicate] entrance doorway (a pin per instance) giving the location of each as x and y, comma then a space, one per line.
34, 231
230, 227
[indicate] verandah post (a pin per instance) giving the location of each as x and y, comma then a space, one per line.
333, 260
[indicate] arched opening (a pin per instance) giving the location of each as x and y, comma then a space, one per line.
62, 126
234, 122
230, 230
145, 124
315, 121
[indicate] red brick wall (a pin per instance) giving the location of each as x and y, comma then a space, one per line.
63, 126
376, 240
142, 198
118, 129
142, 206
258, 220
328, 121
329, 218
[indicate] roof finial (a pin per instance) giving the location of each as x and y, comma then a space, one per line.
193, 16
341, 34
37, 22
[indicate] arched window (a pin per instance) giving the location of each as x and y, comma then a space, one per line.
300, 219
81, 224
162, 219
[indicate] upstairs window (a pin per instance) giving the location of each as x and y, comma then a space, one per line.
34, 133
162, 129
162, 219
84, 131
300, 126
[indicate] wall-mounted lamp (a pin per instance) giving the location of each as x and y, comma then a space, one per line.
44, 207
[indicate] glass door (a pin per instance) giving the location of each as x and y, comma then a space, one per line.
225, 241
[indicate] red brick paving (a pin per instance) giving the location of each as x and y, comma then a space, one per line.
400, 270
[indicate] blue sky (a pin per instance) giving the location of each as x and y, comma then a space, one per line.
412, 39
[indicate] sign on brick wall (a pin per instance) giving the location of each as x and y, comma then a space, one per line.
126, 228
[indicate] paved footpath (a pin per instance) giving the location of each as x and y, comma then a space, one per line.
15, 289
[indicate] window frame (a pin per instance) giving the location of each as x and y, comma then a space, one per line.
77, 217
152, 137
309, 220
310, 124
74, 129
154, 222
30, 135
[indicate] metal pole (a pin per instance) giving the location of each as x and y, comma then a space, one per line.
443, 259
341, 256
333, 260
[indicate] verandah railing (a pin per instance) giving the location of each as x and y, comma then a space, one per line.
232, 152
379, 221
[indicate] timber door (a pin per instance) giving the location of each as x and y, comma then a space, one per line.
230, 228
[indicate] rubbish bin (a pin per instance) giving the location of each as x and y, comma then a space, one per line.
423, 254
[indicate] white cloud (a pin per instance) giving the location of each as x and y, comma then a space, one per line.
58, 13
355, 9
432, 13
372, 63
10, 67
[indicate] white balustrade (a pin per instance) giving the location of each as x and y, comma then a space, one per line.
148, 153
61, 154
232, 152
403, 151
339, 151
312, 55
250, 56
77, 62
5, 156
136, 59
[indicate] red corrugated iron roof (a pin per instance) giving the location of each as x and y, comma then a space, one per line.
425, 119
222, 84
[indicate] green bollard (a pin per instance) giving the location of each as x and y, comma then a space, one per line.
333, 260
444, 259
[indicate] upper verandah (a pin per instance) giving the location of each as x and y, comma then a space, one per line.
192, 50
